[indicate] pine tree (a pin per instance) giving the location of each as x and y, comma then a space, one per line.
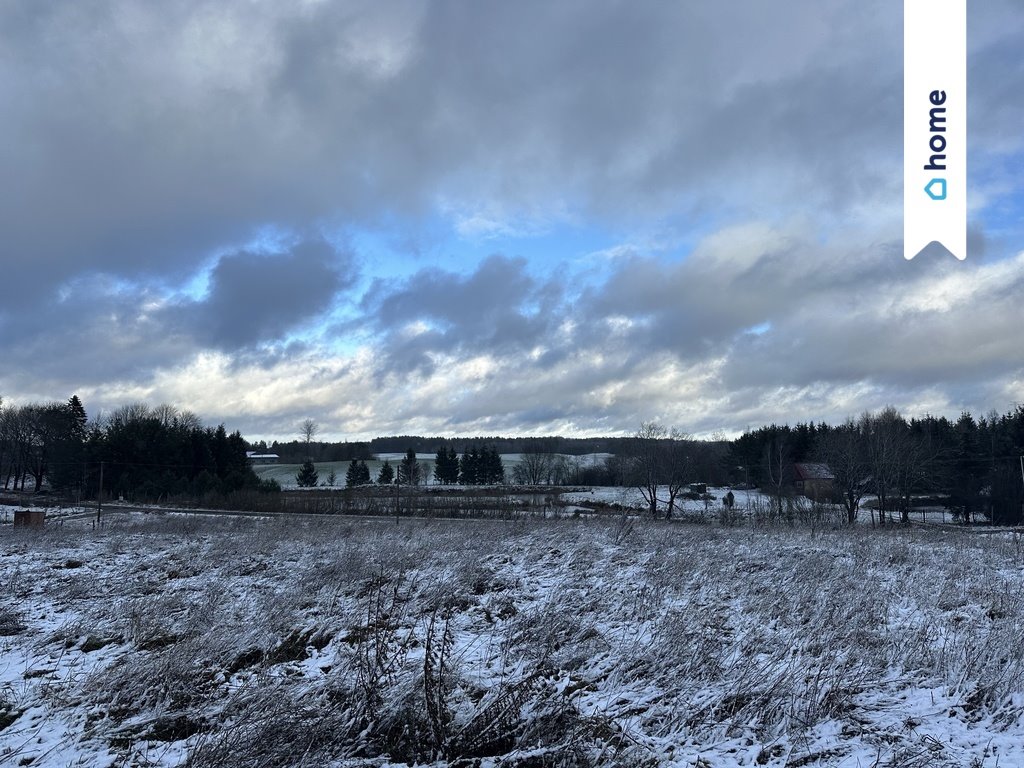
66, 434
409, 469
441, 466
386, 475
469, 467
78, 418
446, 466
364, 474
453, 466
495, 470
352, 475
307, 475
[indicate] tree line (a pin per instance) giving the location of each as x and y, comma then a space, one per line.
139, 452
972, 466
476, 466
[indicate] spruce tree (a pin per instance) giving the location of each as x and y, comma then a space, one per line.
409, 469
386, 475
495, 469
469, 467
352, 474
441, 466
364, 474
453, 466
446, 466
307, 475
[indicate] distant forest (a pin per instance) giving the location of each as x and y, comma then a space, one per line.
971, 465
136, 452
295, 451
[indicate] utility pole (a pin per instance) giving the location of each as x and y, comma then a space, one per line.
99, 497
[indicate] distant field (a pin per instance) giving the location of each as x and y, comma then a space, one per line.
285, 473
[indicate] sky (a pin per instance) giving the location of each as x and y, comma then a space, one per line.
482, 218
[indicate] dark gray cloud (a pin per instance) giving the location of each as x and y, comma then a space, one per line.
101, 329
139, 138
261, 297
497, 309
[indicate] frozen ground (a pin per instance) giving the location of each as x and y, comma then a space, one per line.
631, 498
54, 513
203, 641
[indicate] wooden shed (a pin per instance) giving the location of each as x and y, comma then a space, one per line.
29, 518
813, 480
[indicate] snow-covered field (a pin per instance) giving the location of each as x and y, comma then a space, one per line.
632, 498
285, 473
205, 641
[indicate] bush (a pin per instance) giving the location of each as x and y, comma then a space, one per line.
269, 485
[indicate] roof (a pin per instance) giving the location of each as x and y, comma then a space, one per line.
812, 471
263, 456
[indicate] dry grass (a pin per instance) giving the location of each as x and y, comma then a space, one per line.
273, 642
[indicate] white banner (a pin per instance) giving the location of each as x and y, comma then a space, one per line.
935, 125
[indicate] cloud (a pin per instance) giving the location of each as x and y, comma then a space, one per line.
261, 297
141, 138
148, 148
499, 308
758, 322
102, 329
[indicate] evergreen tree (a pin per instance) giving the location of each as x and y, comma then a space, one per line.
76, 412
364, 473
409, 469
469, 467
440, 469
495, 470
307, 475
386, 475
66, 452
486, 473
453, 466
968, 469
352, 476
446, 466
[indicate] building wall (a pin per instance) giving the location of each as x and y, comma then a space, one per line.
29, 518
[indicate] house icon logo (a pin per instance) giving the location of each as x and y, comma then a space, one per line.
936, 189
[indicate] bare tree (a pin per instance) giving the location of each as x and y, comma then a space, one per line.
535, 466
885, 436
648, 462
131, 413
165, 413
8, 444
189, 420
307, 431
844, 450
915, 462
777, 466
678, 453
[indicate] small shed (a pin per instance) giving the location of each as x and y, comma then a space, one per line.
29, 518
813, 480
262, 458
